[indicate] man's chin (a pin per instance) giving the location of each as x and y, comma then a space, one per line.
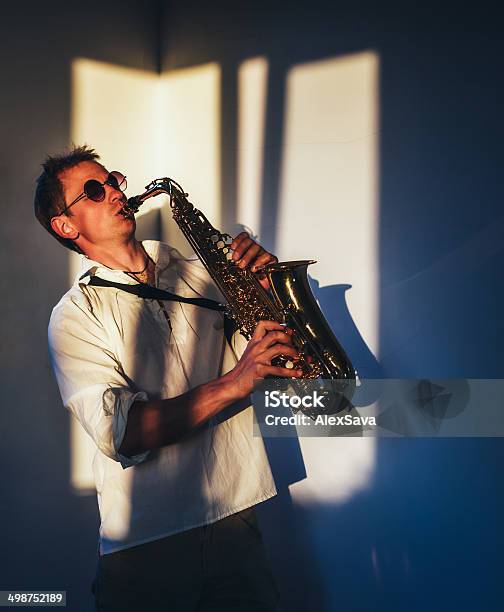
126, 218
126, 225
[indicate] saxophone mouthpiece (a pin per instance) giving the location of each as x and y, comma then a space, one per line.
133, 203
131, 206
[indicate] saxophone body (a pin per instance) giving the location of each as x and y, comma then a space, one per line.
290, 300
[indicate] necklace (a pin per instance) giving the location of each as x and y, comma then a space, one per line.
141, 276
141, 273
142, 270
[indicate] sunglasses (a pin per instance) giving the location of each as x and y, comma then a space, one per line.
95, 191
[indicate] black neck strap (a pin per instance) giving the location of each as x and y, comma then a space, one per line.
148, 292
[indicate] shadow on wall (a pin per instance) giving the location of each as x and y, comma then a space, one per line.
332, 303
287, 466
47, 531
425, 533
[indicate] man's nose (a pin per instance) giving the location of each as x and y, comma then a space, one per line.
114, 194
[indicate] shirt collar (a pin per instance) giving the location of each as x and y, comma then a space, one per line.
89, 267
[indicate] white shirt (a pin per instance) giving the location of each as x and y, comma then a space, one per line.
110, 348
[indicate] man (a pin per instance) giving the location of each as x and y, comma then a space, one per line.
165, 398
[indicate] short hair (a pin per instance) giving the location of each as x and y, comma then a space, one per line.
49, 197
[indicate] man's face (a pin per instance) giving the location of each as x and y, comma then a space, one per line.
96, 223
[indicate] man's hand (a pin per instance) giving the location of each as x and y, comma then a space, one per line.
249, 254
268, 341
158, 422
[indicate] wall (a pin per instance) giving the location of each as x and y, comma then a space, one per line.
396, 524
48, 533
413, 525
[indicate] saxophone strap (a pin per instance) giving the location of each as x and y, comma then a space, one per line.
149, 292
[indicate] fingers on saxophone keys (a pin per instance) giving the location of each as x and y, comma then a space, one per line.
240, 240
263, 259
246, 253
277, 350
283, 372
245, 249
288, 330
276, 337
263, 327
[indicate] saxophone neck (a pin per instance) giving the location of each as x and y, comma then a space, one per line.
156, 187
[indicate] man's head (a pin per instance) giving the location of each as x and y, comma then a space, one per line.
85, 224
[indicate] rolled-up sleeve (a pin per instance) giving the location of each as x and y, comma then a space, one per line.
91, 381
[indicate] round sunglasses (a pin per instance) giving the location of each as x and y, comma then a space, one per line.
95, 191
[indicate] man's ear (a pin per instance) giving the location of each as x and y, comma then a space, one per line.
64, 227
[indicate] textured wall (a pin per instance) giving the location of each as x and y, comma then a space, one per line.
48, 535
424, 532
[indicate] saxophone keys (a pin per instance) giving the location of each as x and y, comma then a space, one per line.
220, 244
289, 364
229, 255
214, 238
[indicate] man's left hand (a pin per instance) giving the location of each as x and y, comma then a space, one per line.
249, 254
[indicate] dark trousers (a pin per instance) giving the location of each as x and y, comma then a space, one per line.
215, 568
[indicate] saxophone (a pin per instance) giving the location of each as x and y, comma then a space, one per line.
289, 301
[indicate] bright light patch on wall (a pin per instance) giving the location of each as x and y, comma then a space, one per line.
147, 126
83, 450
150, 126
336, 469
190, 139
329, 212
252, 84
114, 110
117, 110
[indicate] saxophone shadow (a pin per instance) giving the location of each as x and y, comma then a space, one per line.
332, 302
292, 534
287, 533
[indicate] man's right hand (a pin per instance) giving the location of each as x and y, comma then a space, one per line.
270, 339
158, 422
